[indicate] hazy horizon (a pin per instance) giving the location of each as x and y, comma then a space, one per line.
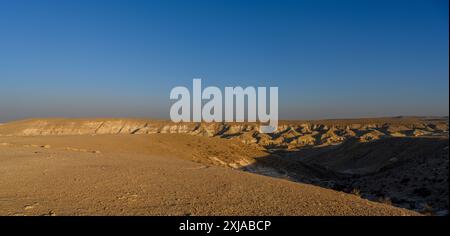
330, 59
168, 118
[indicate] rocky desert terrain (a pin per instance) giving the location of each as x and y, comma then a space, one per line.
383, 166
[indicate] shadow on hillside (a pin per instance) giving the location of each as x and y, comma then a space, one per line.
410, 172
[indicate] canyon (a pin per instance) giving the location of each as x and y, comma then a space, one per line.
399, 161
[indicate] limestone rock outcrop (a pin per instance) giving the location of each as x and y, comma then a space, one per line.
290, 135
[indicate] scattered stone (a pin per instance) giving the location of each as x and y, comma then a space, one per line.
394, 159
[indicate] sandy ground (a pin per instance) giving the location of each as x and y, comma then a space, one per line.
153, 175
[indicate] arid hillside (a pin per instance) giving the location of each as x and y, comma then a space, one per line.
396, 161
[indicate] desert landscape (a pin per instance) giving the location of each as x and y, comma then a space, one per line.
105, 166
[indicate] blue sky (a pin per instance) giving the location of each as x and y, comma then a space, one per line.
330, 59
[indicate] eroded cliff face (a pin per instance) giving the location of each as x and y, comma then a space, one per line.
290, 135
396, 160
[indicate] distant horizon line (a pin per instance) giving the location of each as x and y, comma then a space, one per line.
166, 119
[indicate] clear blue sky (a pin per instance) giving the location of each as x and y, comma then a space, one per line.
330, 59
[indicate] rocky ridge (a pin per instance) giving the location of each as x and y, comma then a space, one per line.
290, 135
399, 161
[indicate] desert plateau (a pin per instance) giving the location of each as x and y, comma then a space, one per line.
105, 166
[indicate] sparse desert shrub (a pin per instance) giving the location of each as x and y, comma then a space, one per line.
427, 210
356, 192
385, 200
